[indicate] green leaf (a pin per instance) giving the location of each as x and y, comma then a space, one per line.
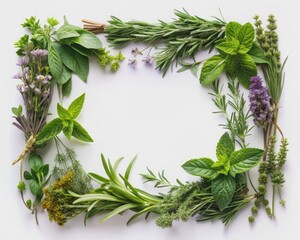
246, 37
52, 22
66, 31
81, 50
223, 188
225, 146
76, 106
49, 131
257, 54
67, 88
212, 69
246, 70
17, 111
88, 40
200, 167
222, 166
45, 169
65, 76
230, 48
244, 159
68, 130
232, 30
54, 61
63, 113
27, 175
231, 64
34, 187
35, 162
75, 61
80, 133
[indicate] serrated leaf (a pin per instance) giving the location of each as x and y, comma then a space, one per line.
54, 61
230, 47
80, 133
49, 131
222, 166
225, 146
67, 88
68, 130
35, 162
27, 175
76, 106
66, 31
246, 37
63, 113
200, 167
223, 188
231, 64
87, 40
246, 70
232, 30
257, 54
212, 69
34, 187
244, 159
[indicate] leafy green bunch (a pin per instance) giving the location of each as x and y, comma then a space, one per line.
224, 172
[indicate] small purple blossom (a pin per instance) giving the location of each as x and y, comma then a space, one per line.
37, 91
132, 62
259, 102
40, 78
39, 53
22, 88
32, 86
17, 76
23, 61
148, 60
136, 52
48, 77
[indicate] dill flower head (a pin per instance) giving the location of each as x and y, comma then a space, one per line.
260, 102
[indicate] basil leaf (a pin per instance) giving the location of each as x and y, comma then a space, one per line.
66, 31
34, 187
68, 130
67, 88
246, 70
81, 50
63, 113
200, 167
75, 107
49, 131
35, 162
80, 133
225, 146
246, 37
88, 40
212, 69
65, 76
232, 30
223, 188
54, 61
244, 159
257, 54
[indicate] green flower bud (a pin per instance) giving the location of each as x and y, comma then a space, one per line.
254, 210
21, 186
251, 219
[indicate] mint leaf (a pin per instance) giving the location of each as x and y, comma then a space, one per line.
66, 31
231, 63
246, 69
76, 106
67, 88
222, 166
229, 47
54, 61
232, 30
225, 146
244, 159
223, 188
68, 130
49, 131
200, 167
246, 37
80, 133
87, 40
63, 113
257, 54
35, 162
212, 69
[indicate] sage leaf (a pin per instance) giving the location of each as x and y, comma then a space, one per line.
200, 167
80, 133
49, 131
246, 37
246, 70
244, 159
225, 146
88, 40
66, 31
63, 113
54, 61
35, 162
223, 188
75, 107
212, 69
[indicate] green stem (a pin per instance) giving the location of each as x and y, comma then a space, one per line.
273, 200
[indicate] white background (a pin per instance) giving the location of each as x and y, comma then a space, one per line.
166, 121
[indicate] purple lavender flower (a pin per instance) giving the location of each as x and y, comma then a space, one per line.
17, 76
23, 61
136, 52
260, 102
132, 62
148, 60
39, 53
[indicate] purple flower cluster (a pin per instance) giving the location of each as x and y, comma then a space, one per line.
148, 60
260, 102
